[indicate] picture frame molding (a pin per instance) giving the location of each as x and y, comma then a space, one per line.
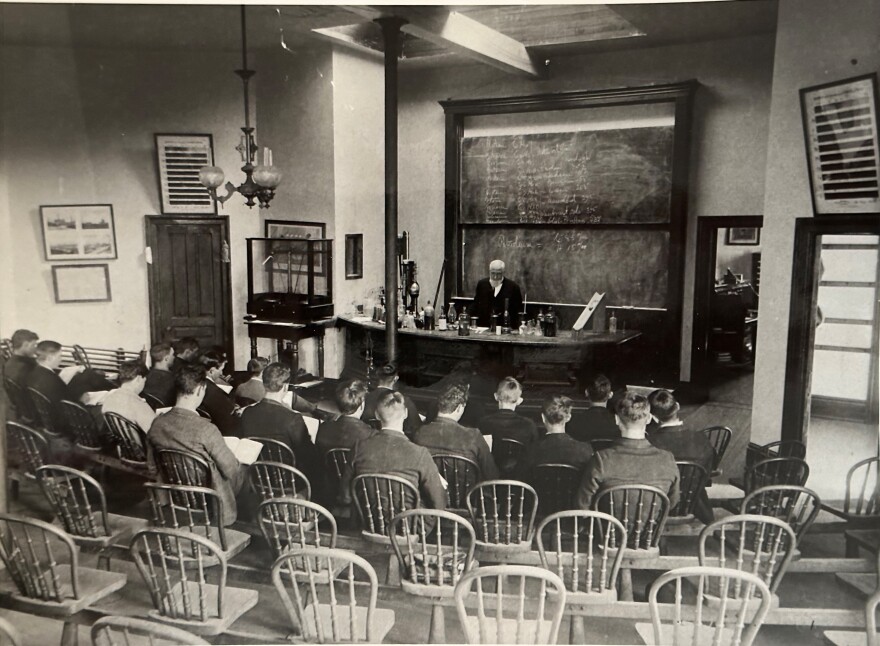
58, 269
78, 256
731, 241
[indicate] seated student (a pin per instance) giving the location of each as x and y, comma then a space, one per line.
632, 459
182, 428
345, 431
275, 420
556, 446
24, 348
44, 379
126, 400
386, 377
186, 350
389, 451
685, 444
252, 390
217, 402
446, 435
506, 422
597, 421
160, 379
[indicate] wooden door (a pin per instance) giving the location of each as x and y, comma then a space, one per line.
189, 281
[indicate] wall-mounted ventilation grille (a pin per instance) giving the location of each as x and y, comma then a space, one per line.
179, 158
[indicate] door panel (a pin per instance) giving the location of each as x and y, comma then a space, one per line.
189, 283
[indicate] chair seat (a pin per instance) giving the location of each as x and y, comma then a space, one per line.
94, 585
721, 491
510, 629
121, 529
383, 621
236, 541
236, 602
846, 637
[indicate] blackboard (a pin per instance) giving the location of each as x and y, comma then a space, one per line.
583, 177
568, 264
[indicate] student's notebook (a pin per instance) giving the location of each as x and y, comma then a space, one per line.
246, 451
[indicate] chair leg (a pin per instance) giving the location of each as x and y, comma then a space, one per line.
104, 557
626, 584
576, 632
14, 488
393, 575
70, 634
437, 631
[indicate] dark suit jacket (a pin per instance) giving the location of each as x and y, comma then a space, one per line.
341, 433
486, 303
508, 424
185, 430
412, 422
691, 446
446, 436
276, 421
221, 409
596, 422
554, 448
160, 384
18, 368
49, 384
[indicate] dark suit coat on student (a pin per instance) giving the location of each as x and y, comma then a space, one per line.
412, 422
221, 409
554, 448
186, 430
444, 435
341, 433
49, 384
487, 303
504, 423
18, 367
160, 384
629, 461
275, 421
691, 446
389, 451
593, 423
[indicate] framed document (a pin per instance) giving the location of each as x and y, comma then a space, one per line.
81, 283
840, 127
78, 232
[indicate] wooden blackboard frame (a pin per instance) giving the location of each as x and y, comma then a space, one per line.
681, 95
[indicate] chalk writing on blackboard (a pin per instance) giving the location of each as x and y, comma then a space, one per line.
583, 177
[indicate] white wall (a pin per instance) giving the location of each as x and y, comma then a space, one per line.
817, 41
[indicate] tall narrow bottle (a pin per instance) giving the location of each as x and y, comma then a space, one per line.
550, 323
441, 322
464, 328
451, 316
505, 318
428, 316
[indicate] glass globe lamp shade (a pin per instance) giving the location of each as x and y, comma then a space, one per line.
268, 176
211, 176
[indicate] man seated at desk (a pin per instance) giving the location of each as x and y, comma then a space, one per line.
491, 295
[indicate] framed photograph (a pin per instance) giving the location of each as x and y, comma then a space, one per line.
78, 232
81, 283
840, 128
179, 159
296, 230
747, 236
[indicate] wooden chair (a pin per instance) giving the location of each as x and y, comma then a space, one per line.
693, 479
275, 451
131, 631
379, 497
198, 510
174, 565
436, 550
326, 610
503, 515
27, 446
289, 522
80, 509
777, 471
871, 637
719, 438
643, 511
182, 468
576, 544
46, 414
529, 613
460, 474
276, 480
129, 439
21, 402
335, 462
42, 566
80, 356
862, 502
507, 452
154, 402
733, 623
777, 449
762, 545
555, 485
86, 434
797, 506
9, 635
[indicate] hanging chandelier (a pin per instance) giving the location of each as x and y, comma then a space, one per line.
261, 177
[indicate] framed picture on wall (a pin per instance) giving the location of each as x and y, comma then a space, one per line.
81, 283
746, 236
296, 230
840, 128
78, 232
179, 159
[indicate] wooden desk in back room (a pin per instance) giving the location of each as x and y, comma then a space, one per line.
425, 357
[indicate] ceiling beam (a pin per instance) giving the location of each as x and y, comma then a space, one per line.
361, 37
457, 32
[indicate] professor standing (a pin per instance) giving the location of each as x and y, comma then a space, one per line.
491, 294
